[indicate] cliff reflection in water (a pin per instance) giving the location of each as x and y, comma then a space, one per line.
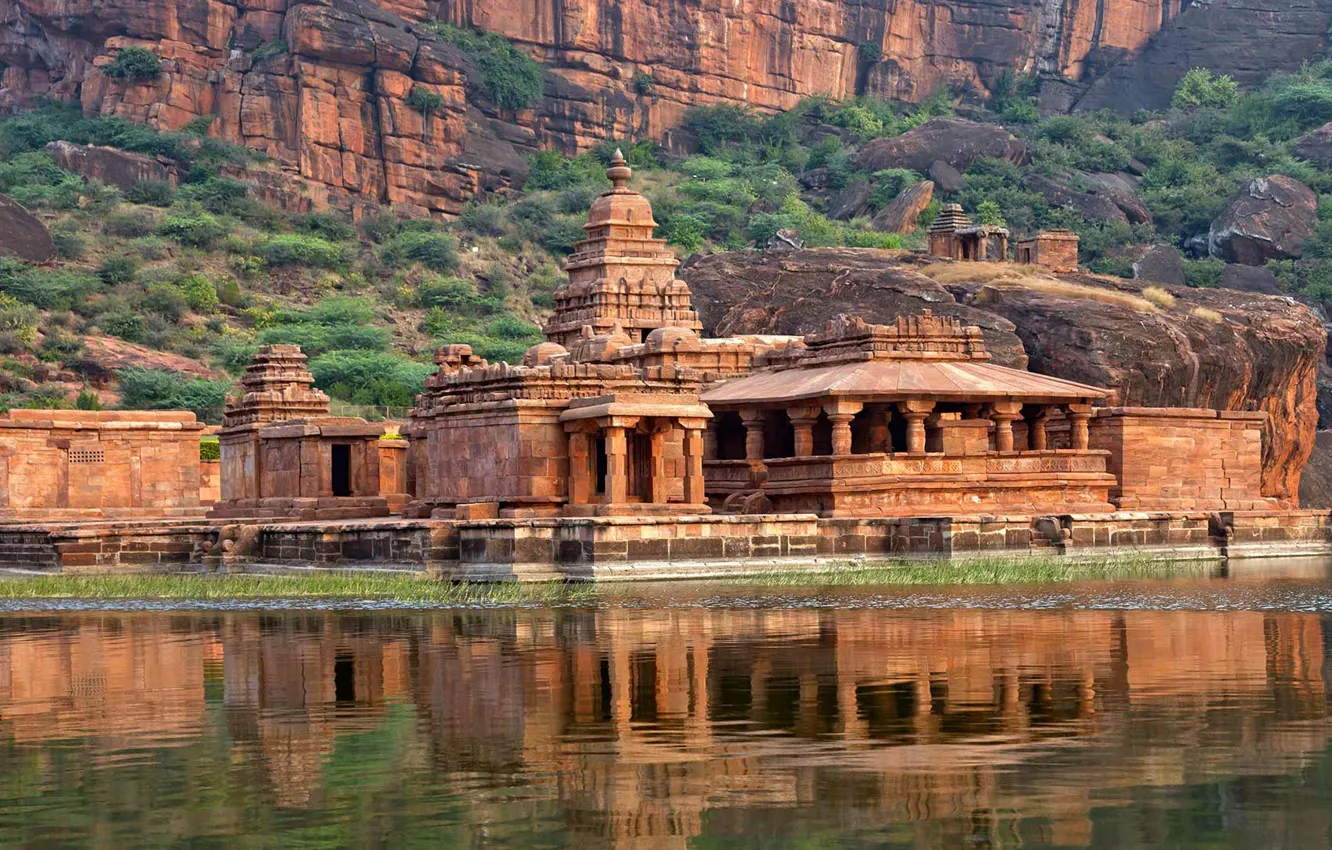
620, 724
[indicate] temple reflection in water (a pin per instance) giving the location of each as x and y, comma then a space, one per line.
618, 725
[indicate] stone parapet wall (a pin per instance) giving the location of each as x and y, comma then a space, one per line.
421, 545
1180, 459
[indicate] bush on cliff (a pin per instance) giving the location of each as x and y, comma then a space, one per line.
513, 79
298, 249
134, 64
432, 249
163, 389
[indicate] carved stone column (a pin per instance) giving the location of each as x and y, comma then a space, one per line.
840, 413
693, 474
753, 420
803, 420
617, 466
657, 463
1037, 438
580, 468
915, 411
1003, 413
1078, 414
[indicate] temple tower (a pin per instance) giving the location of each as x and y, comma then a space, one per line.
620, 274
277, 386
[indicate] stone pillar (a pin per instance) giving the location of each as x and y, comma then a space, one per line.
657, 486
880, 436
580, 468
1078, 414
840, 413
617, 466
693, 476
1003, 413
753, 420
1037, 438
803, 420
709, 443
915, 412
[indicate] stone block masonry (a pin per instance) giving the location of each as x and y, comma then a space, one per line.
1179, 459
70, 464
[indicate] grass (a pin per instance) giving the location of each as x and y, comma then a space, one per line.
1207, 315
983, 570
1158, 296
408, 588
413, 588
1014, 276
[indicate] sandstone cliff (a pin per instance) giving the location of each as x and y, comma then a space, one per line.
321, 86
1211, 348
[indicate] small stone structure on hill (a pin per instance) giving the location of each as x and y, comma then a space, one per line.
284, 456
953, 236
84, 464
1056, 250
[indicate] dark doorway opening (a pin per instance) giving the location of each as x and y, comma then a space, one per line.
601, 465
344, 679
342, 470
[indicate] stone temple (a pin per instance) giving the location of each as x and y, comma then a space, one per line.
627, 444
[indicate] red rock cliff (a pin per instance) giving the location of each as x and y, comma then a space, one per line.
331, 109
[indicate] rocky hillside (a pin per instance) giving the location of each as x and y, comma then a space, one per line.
360, 102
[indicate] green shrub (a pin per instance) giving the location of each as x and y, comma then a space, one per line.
512, 79
1204, 273
299, 249
18, 323
220, 195
560, 236
118, 269
33, 168
200, 294
199, 230
269, 49
643, 83
434, 250
154, 192
890, 183
328, 225
364, 377
166, 300
424, 100
687, 230
483, 219
210, 448
129, 222
128, 326
134, 63
989, 213
452, 293
70, 243
550, 169
50, 288
162, 389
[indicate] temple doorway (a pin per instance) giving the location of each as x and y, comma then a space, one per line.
342, 477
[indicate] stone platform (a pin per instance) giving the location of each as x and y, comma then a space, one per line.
620, 548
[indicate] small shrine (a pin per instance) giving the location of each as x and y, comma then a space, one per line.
1055, 250
953, 236
284, 456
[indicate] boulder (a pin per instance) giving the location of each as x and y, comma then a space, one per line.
901, 215
110, 166
1268, 219
22, 234
947, 179
1091, 207
1264, 355
1316, 146
852, 201
1160, 264
953, 141
1108, 181
1249, 279
1316, 482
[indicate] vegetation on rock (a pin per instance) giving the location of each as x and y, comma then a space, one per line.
512, 79
134, 64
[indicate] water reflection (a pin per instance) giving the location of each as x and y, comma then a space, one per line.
666, 726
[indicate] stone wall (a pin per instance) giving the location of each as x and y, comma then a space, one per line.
73, 463
1180, 459
210, 481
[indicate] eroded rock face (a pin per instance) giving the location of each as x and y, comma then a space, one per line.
1263, 353
953, 141
1247, 39
22, 234
1160, 264
1268, 219
901, 215
110, 166
1316, 146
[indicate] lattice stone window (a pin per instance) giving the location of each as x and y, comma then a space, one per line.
87, 456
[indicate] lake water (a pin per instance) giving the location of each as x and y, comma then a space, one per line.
1191, 713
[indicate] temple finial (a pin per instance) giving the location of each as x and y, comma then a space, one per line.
619, 172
